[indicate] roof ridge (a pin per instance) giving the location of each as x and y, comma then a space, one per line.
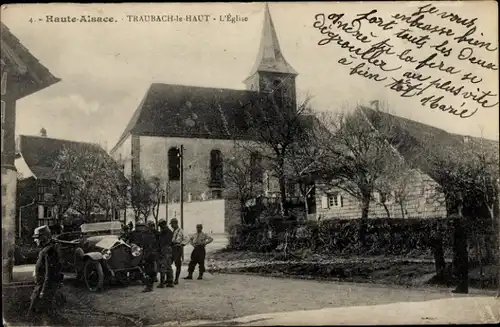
201, 87
58, 139
408, 119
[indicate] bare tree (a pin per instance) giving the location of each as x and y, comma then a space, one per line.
303, 163
239, 177
275, 129
157, 193
395, 185
485, 158
356, 155
467, 175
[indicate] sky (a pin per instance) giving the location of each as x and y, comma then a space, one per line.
107, 68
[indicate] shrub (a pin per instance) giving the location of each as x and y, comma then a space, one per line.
394, 236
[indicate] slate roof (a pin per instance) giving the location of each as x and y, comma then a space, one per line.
31, 75
170, 110
270, 57
40, 153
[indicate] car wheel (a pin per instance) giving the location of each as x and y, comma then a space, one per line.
94, 275
79, 264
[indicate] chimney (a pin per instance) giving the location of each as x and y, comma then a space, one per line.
43, 132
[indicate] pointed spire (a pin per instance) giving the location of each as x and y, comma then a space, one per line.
270, 58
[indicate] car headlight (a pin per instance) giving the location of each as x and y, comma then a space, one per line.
106, 254
135, 250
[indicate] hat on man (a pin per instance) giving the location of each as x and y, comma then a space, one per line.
42, 231
162, 223
173, 220
199, 226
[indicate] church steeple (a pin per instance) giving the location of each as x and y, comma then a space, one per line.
271, 72
270, 58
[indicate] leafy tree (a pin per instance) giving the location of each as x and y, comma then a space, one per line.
88, 180
141, 197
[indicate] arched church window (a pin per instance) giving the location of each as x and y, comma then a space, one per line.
174, 164
216, 168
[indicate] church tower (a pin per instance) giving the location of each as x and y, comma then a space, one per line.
271, 73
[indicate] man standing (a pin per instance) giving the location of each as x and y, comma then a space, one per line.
199, 241
47, 274
165, 255
178, 243
145, 237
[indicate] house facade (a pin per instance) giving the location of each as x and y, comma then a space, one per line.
421, 200
207, 123
419, 197
37, 181
21, 75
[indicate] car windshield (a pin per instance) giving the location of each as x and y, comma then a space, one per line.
103, 228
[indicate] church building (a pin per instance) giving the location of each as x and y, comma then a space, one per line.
204, 121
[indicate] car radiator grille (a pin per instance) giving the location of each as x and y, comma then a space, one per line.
121, 258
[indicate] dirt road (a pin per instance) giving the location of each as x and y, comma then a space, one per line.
221, 297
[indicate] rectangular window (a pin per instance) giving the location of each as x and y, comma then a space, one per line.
4, 189
43, 190
3, 211
333, 200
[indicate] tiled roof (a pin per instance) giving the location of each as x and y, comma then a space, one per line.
40, 153
21, 64
190, 111
413, 139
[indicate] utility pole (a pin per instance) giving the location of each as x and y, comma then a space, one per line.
181, 168
181, 180
167, 184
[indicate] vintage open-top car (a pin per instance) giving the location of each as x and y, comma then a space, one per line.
96, 254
